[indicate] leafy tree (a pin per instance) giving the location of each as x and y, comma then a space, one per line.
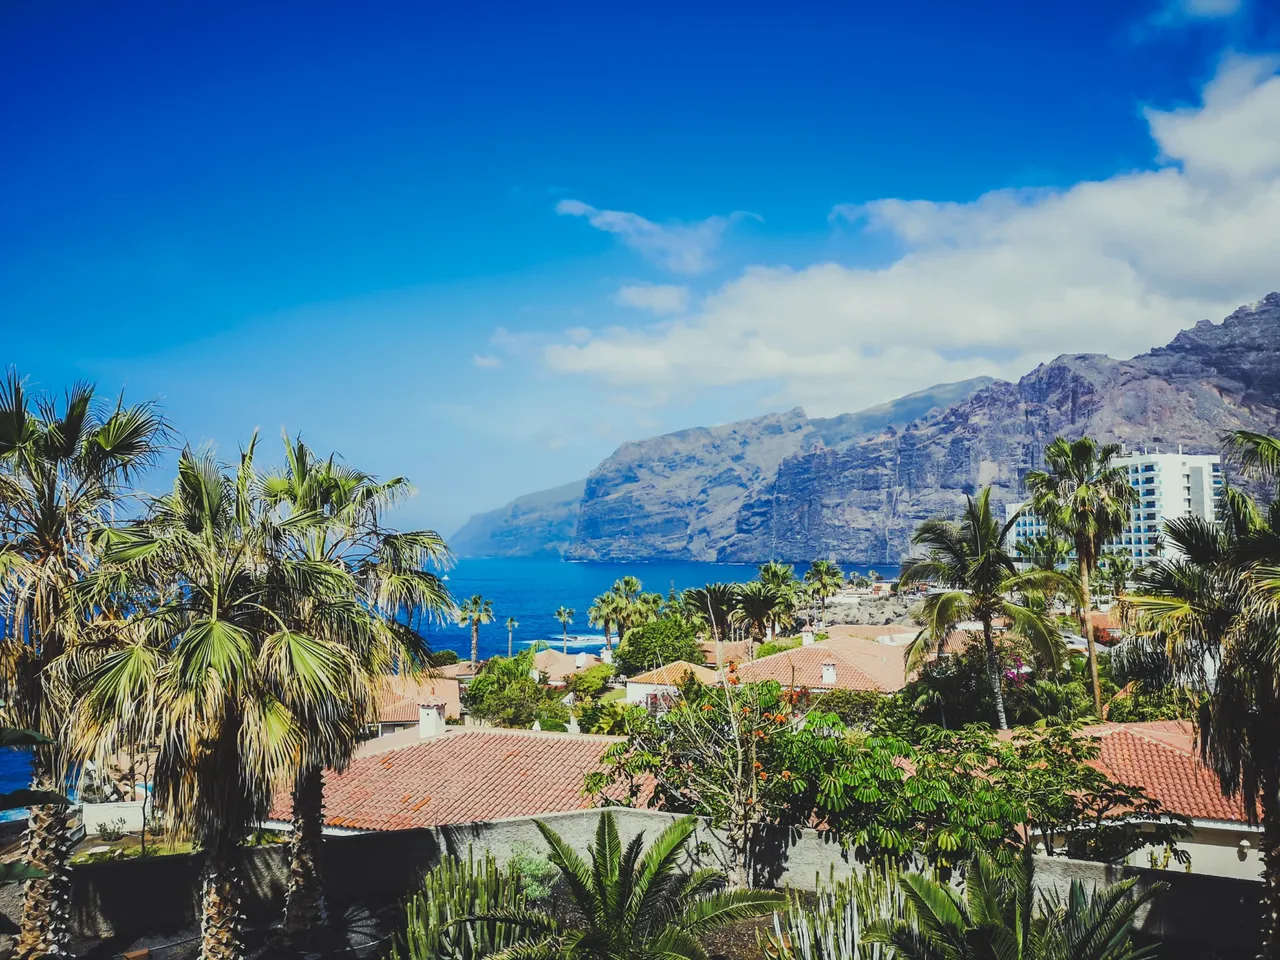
507, 693
663, 641
825, 579
633, 903
1212, 609
856, 708
565, 616
590, 682
972, 559
1084, 497
473, 613
443, 658
234, 690
996, 918
777, 646
66, 467
511, 625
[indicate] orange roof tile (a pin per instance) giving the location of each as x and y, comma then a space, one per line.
558, 666
673, 674
733, 651
462, 777
1161, 758
860, 665
428, 690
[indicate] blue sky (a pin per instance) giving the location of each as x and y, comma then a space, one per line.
482, 246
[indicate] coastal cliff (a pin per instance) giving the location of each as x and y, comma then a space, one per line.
854, 487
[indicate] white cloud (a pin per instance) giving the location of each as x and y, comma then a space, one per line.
660, 298
486, 361
994, 285
1202, 9
685, 248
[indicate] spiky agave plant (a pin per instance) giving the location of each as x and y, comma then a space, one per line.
435, 922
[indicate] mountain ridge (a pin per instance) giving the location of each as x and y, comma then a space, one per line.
853, 487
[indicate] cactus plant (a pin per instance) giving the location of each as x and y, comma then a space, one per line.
830, 927
435, 928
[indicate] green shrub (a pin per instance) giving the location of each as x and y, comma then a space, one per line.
443, 658
663, 641
777, 646
453, 890
111, 830
857, 708
591, 682
538, 875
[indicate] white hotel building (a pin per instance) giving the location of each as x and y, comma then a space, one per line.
1170, 486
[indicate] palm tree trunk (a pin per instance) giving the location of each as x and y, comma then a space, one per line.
608, 639
993, 670
564, 644
1086, 628
221, 922
46, 904
1269, 848
305, 912
475, 642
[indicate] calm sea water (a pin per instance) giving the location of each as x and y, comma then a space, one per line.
530, 591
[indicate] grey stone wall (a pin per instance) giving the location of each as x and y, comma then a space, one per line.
132, 897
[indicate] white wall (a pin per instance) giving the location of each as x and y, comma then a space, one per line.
1215, 851
95, 815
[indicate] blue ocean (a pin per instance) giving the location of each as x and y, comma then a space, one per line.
530, 591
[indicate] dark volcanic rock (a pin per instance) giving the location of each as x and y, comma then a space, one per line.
863, 501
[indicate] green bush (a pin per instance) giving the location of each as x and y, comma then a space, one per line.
538, 875
591, 682
777, 646
857, 708
663, 641
443, 658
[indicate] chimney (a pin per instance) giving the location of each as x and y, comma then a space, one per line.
828, 674
806, 638
430, 720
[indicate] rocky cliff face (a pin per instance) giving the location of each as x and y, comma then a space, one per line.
854, 487
537, 524
861, 501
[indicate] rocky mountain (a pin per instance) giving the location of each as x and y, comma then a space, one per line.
537, 524
854, 487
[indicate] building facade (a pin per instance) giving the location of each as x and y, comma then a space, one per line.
1169, 485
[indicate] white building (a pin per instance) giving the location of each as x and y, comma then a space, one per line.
1170, 486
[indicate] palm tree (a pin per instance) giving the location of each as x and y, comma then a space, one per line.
64, 469
626, 592
511, 625
604, 612
565, 616
342, 531
473, 613
1083, 497
1212, 609
1046, 551
234, 691
710, 607
633, 903
756, 607
825, 579
972, 559
996, 918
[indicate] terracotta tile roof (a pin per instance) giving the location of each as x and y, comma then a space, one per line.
870, 631
860, 665
673, 674
557, 665
462, 777
1161, 758
428, 690
463, 668
733, 651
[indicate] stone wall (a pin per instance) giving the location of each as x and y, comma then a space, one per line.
131, 897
